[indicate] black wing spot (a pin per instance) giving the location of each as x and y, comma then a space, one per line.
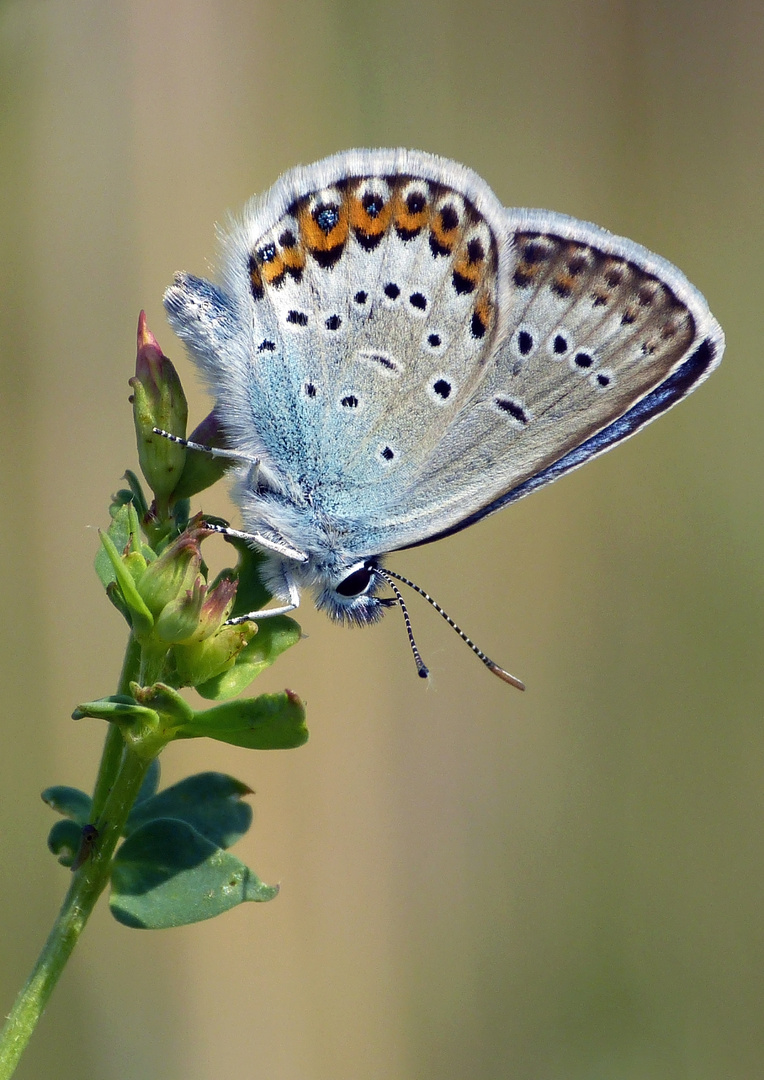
462, 284
417, 300
310, 390
388, 454
267, 253
603, 380
266, 346
373, 204
255, 278
449, 218
297, 318
415, 202
361, 297
434, 340
475, 251
583, 360
560, 344
288, 239
380, 358
524, 342
516, 411
533, 253
442, 388
326, 216
391, 291
350, 402
477, 325
334, 322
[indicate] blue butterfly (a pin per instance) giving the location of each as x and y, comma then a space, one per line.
394, 356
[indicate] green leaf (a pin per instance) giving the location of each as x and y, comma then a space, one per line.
64, 841
68, 801
167, 874
136, 490
268, 722
123, 530
209, 802
251, 594
117, 709
273, 637
142, 618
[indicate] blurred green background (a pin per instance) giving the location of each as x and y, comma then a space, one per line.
475, 883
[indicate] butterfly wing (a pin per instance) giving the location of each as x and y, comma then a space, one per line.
405, 356
603, 337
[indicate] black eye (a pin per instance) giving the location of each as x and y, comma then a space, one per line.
356, 583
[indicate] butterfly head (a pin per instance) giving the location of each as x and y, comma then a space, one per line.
345, 589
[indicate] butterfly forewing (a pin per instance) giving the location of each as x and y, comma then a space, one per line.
376, 305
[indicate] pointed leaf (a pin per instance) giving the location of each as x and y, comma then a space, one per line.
136, 490
124, 529
268, 722
142, 618
167, 874
210, 802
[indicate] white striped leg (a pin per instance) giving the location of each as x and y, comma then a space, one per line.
213, 451
267, 613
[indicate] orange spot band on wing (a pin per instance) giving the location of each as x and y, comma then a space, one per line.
446, 238
362, 220
409, 221
314, 237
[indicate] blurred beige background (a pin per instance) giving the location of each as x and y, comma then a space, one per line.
475, 883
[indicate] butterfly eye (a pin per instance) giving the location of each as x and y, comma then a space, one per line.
356, 583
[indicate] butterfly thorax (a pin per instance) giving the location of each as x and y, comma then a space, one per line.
333, 566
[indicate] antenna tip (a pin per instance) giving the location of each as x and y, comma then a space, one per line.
423, 672
505, 676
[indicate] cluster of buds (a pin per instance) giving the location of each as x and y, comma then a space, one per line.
176, 617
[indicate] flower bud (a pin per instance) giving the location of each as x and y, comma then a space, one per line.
198, 661
216, 608
158, 401
174, 573
180, 618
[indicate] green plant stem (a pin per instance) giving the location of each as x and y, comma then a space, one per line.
119, 780
114, 745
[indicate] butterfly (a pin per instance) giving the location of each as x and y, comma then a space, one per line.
394, 356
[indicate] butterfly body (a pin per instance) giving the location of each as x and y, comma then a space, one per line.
403, 356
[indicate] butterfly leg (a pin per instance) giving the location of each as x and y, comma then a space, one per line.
266, 613
213, 451
270, 543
